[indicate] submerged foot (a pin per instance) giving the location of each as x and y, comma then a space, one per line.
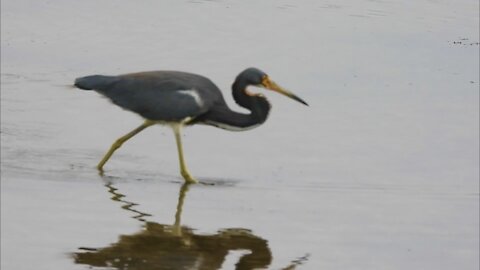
100, 169
188, 178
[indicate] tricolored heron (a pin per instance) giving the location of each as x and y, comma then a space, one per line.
178, 98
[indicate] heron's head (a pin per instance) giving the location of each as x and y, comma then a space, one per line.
254, 76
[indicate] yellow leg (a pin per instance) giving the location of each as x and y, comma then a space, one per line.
183, 168
120, 141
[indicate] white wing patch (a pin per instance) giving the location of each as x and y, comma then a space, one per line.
193, 93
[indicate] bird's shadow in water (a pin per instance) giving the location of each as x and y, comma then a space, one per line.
173, 246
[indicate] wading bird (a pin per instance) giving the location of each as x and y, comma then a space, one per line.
178, 98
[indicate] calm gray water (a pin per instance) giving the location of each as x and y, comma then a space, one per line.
380, 172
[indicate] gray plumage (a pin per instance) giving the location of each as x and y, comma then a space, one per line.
182, 98
157, 95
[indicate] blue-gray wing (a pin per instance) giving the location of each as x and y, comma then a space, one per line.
161, 95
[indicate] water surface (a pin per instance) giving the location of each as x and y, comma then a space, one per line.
380, 172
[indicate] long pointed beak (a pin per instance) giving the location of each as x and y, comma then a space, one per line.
269, 84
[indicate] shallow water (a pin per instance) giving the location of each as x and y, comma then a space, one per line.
380, 172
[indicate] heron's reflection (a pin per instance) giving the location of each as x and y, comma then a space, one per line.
164, 246
127, 205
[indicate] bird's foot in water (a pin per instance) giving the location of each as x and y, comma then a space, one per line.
188, 177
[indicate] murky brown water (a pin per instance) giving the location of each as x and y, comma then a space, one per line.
380, 172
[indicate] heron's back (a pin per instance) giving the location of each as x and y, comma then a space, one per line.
157, 95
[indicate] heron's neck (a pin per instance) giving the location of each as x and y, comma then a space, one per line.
235, 121
255, 103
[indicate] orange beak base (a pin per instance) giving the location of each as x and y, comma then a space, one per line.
271, 85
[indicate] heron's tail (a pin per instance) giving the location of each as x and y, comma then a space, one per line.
97, 82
